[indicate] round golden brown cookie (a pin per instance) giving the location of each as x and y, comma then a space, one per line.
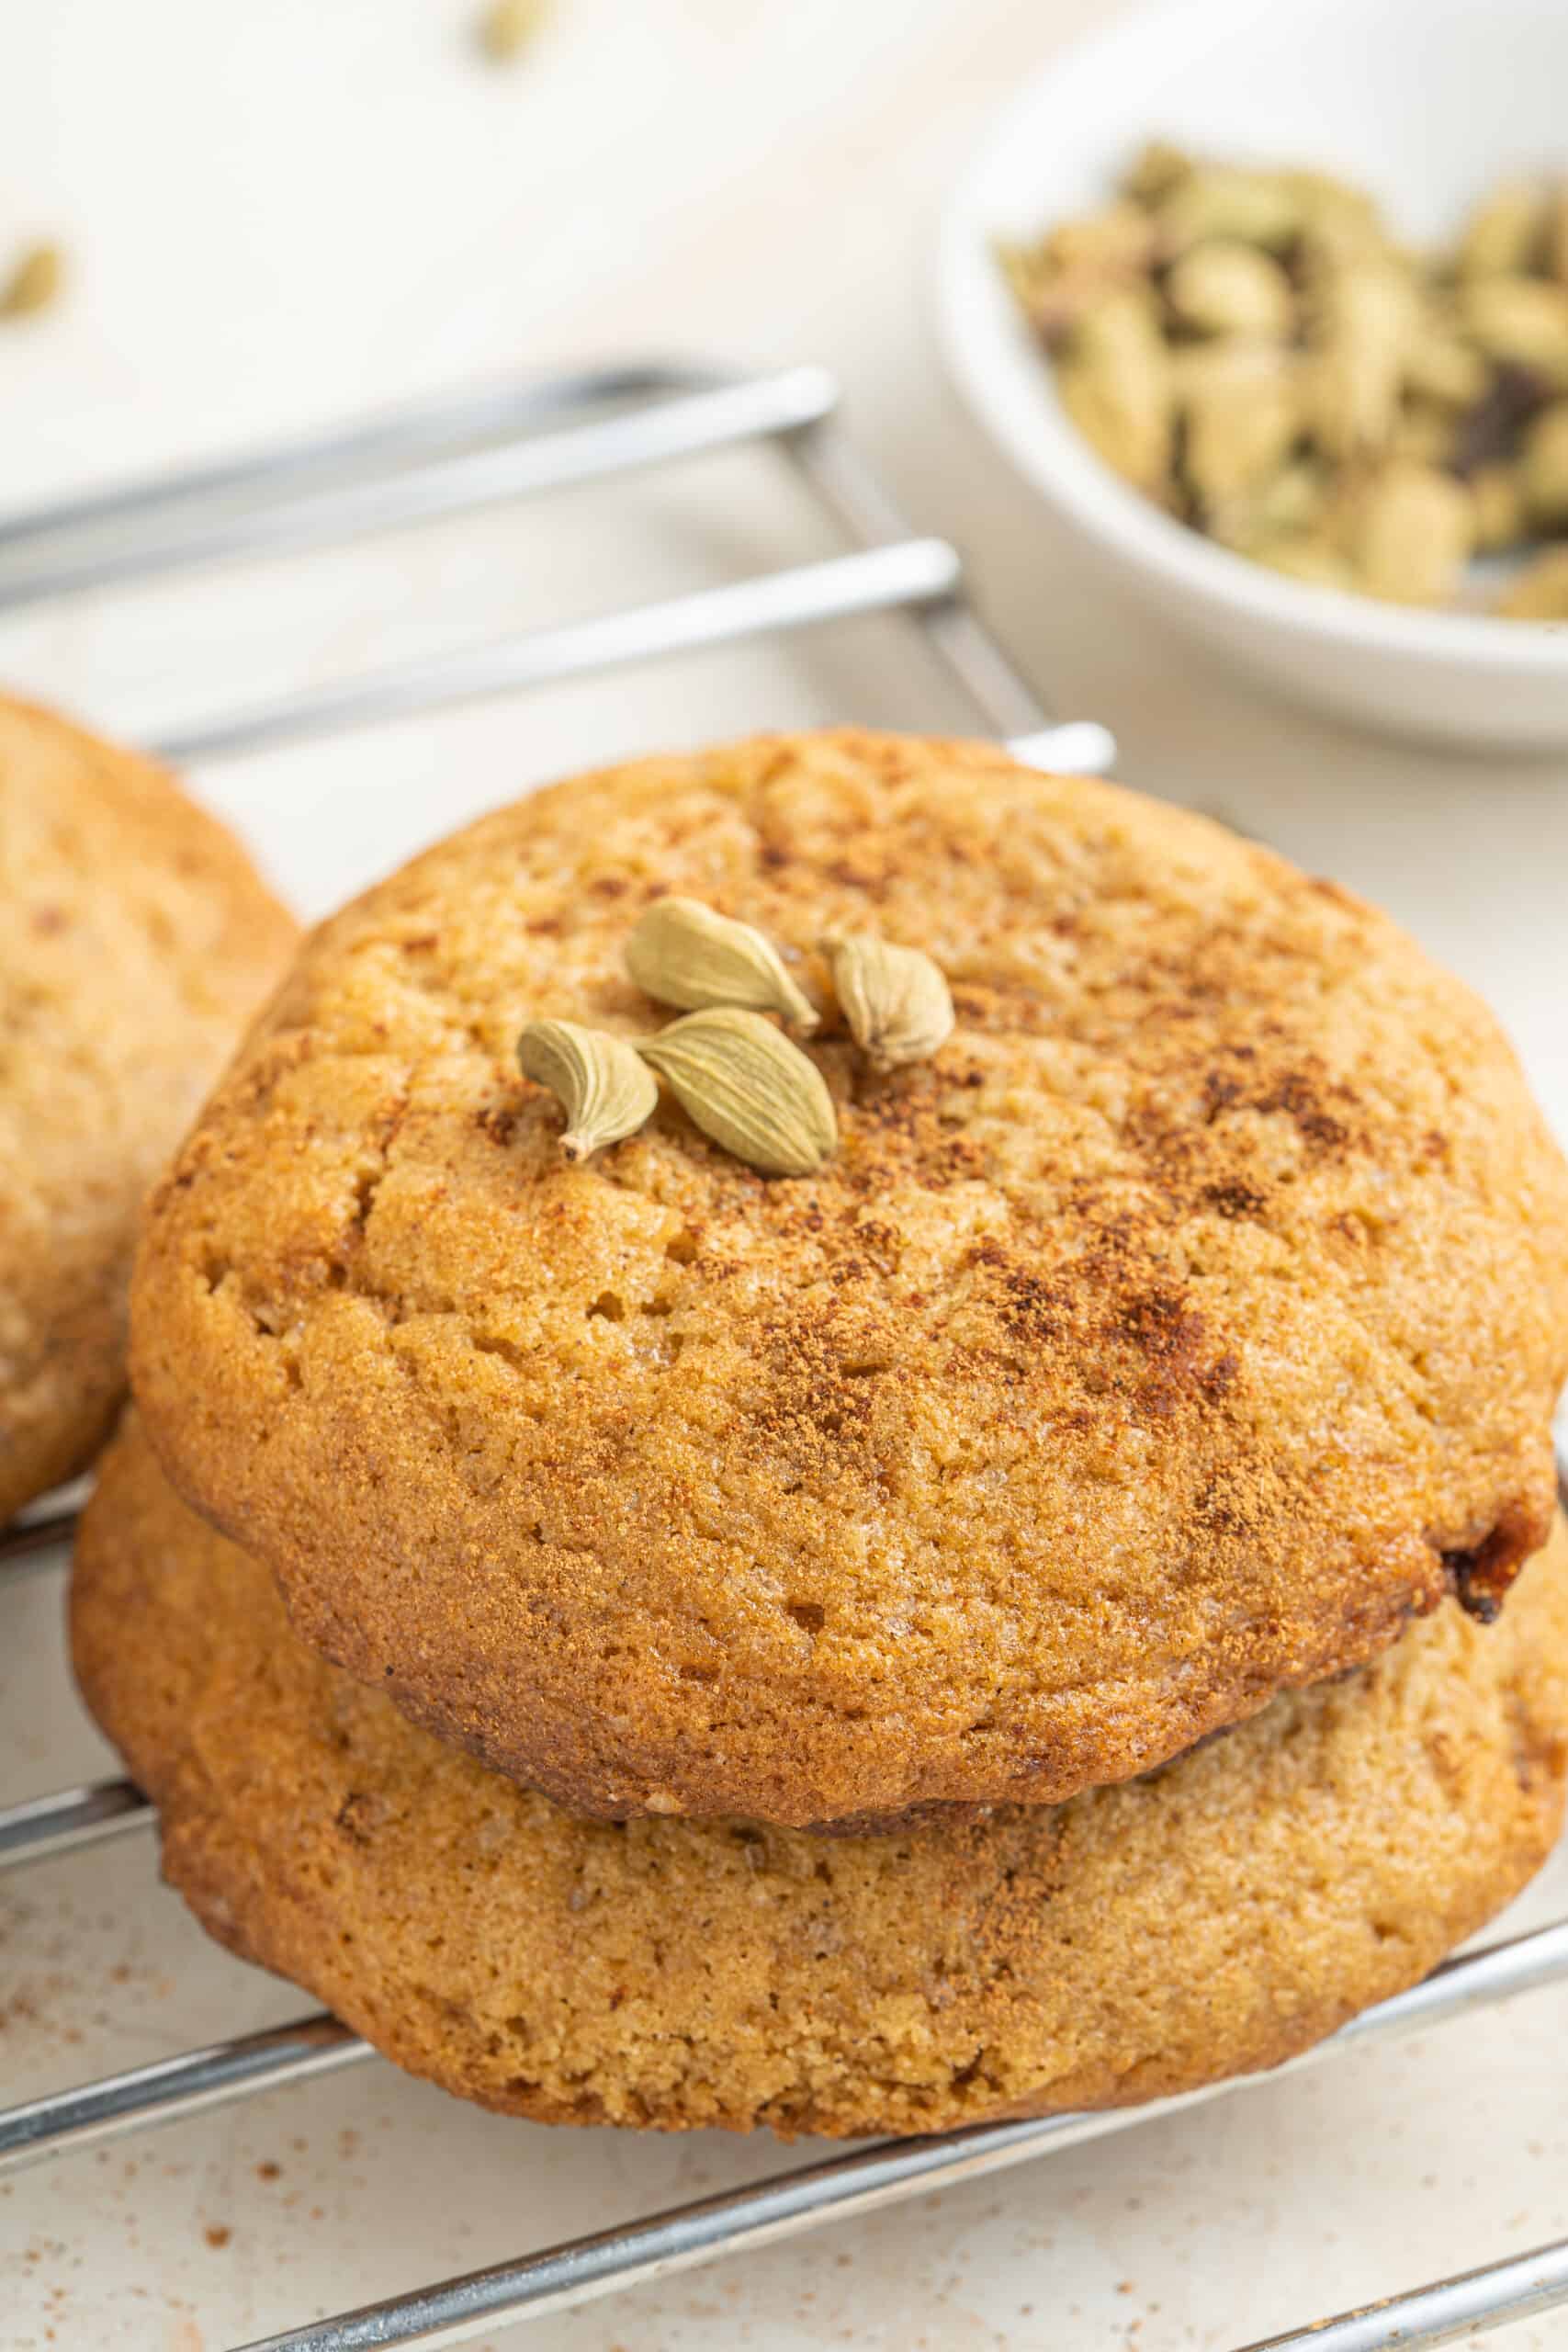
1212, 1918
134, 940
1192, 1318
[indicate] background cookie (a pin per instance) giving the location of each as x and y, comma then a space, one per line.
1213, 1918
134, 939
1193, 1318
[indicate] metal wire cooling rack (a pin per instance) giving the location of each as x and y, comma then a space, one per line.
447, 459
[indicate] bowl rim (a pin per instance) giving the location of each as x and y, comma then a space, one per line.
1006, 380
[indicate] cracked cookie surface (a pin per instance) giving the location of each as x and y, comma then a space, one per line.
1188, 1323
1212, 1918
135, 938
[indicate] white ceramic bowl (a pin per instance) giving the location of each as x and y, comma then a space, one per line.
1427, 102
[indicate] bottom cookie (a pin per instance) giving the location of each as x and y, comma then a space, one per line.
1214, 1917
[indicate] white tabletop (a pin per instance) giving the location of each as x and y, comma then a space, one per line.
280, 216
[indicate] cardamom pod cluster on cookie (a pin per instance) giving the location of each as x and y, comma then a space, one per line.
135, 937
863, 1416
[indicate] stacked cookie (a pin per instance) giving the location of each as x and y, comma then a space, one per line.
135, 937
652, 1641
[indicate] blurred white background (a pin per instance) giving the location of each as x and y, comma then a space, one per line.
280, 216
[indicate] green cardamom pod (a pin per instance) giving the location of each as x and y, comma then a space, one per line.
683, 952
895, 999
748, 1087
506, 27
33, 283
601, 1081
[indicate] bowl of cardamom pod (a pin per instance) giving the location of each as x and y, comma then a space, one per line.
1270, 304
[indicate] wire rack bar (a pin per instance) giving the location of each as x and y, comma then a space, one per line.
874, 579
847, 2187
395, 437
36, 1542
61, 2124
71, 1817
291, 502
1522, 2287
834, 468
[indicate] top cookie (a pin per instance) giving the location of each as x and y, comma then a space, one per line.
134, 939
1192, 1318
